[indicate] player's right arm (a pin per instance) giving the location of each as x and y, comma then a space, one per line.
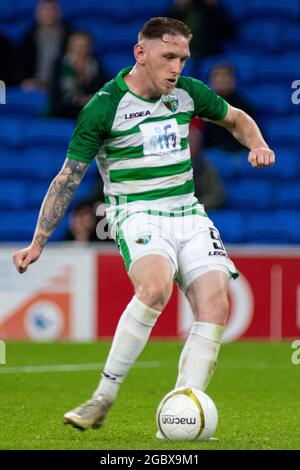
53, 208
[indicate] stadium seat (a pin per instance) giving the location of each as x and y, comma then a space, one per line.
113, 63
250, 194
269, 99
226, 163
236, 8
5, 155
244, 64
287, 166
7, 11
231, 225
17, 225
273, 8
61, 230
277, 68
274, 227
25, 104
82, 9
126, 37
283, 131
25, 8
11, 131
250, 34
13, 194
139, 9
229, 164
96, 27
291, 37
32, 164
55, 133
36, 193
14, 29
287, 195
104, 34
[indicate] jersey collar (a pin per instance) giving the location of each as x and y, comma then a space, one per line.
120, 78
124, 87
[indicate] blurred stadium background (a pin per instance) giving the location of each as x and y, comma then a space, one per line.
77, 291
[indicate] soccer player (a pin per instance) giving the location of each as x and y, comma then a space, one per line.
137, 127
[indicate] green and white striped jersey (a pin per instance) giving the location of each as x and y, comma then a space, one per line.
141, 145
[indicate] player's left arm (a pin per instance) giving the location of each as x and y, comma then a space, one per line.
247, 132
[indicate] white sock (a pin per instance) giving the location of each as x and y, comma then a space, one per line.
199, 355
131, 336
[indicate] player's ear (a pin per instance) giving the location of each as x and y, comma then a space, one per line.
139, 53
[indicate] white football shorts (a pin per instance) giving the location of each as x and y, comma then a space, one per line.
191, 243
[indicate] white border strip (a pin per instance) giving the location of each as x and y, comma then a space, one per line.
70, 368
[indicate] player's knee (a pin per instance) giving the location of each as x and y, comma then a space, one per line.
155, 294
215, 309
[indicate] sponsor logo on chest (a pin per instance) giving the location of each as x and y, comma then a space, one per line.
137, 114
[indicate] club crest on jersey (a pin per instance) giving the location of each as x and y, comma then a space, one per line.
143, 238
171, 102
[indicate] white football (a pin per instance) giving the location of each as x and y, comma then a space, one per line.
187, 414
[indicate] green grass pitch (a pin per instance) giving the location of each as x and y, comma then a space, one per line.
255, 388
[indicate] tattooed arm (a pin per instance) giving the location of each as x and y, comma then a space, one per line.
57, 199
54, 206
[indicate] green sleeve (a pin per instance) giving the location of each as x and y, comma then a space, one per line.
207, 103
90, 130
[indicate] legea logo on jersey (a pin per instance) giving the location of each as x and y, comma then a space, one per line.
161, 137
137, 114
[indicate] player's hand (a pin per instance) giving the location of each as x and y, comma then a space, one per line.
262, 156
23, 258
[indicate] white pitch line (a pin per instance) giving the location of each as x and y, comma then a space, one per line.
69, 368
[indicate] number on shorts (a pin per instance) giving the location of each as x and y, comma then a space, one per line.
216, 239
